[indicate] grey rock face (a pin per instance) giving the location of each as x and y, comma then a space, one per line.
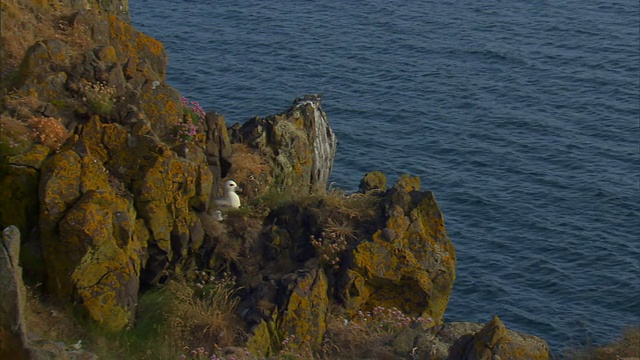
299, 144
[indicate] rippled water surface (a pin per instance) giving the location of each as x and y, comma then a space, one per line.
521, 116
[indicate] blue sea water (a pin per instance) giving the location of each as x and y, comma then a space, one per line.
521, 116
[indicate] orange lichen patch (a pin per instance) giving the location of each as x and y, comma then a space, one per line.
108, 54
59, 190
163, 195
393, 277
377, 259
297, 169
132, 45
431, 224
171, 106
61, 184
409, 183
163, 108
298, 121
94, 175
92, 138
115, 138
142, 236
203, 186
358, 292
144, 42
159, 223
102, 263
264, 340
119, 30
123, 36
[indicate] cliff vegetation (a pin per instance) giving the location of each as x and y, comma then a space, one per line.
114, 247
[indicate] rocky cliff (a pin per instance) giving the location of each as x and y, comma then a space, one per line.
108, 172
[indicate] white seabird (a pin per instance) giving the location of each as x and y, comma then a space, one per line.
230, 198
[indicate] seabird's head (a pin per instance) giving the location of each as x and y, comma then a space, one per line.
231, 186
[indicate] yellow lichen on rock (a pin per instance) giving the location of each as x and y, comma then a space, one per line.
306, 311
132, 47
32, 158
410, 263
94, 176
163, 107
89, 239
145, 42
408, 183
100, 229
265, 340
394, 278
302, 320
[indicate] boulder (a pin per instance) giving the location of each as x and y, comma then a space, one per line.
409, 263
441, 342
466, 341
89, 238
374, 181
495, 341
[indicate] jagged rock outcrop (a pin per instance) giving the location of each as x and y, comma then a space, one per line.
13, 337
15, 343
373, 181
117, 200
217, 148
300, 320
90, 239
299, 144
410, 262
19, 175
373, 255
